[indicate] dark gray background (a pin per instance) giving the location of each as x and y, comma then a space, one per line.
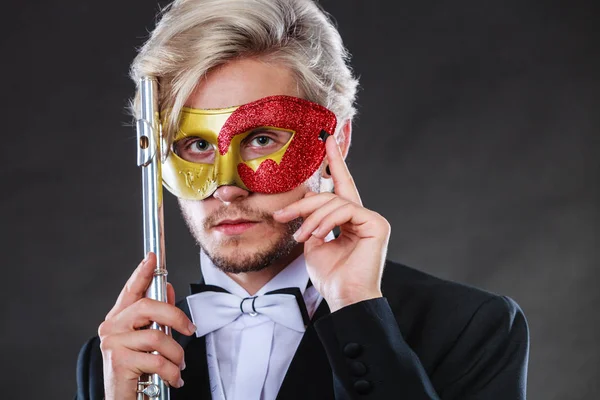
477, 138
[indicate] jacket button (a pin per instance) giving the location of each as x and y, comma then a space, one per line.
362, 386
352, 350
357, 368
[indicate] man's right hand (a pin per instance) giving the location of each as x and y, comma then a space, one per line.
125, 347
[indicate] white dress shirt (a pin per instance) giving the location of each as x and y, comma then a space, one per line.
248, 358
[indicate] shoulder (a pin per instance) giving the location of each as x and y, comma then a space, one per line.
412, 290
435, 314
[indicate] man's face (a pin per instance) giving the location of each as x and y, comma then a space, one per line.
233, 226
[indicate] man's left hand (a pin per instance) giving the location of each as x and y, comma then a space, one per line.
348, 269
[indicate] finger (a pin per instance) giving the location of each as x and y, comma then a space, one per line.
358, 217
148, 340
303, 207
313, 221
170, 294
148, 363
136, 285
343, 182
142, 313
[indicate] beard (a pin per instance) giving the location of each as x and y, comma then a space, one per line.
238, 261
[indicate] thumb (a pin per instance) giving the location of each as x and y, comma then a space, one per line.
136, 285
312, 243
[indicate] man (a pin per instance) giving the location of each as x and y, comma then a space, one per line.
250, 93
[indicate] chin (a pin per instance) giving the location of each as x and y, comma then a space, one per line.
249, 252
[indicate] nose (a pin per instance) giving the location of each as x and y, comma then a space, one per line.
230, 193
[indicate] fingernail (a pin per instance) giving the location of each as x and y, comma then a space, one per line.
192, 327
278, 212
182, 367
316, 231
297, 234
146, 257
180, 382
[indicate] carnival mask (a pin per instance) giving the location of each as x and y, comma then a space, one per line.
270, 145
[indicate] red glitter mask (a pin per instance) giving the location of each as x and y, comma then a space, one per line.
270, 145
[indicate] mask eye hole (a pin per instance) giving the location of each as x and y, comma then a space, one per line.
263, 141
195, 149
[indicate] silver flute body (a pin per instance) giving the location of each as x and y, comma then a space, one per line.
149, 135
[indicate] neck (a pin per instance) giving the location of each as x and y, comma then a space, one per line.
253, 281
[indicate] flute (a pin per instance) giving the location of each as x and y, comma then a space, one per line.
149, 135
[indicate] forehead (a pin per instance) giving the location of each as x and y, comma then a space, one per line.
242, 81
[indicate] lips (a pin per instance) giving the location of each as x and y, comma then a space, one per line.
234, 222
234, 226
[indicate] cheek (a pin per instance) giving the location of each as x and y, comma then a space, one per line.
274, 202
198, 210
310, 185
294, 195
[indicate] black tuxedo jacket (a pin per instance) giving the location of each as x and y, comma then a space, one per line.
426, 339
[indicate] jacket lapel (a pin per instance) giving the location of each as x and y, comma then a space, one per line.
195, 375
309, 375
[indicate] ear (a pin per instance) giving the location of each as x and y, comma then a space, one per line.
344, 137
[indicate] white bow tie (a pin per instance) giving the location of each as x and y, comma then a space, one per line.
212, 308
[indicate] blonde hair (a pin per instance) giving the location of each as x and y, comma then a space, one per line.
194, 36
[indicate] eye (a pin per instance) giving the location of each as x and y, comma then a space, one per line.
261, 141
200, 145
195, 149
